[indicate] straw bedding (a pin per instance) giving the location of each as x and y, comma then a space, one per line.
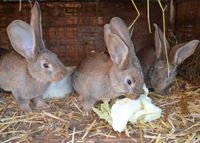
64, 121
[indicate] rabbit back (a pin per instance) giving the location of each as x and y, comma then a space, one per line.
91, 76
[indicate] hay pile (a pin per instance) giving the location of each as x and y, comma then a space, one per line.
64, 121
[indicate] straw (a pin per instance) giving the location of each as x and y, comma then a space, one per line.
164, 34
63, 121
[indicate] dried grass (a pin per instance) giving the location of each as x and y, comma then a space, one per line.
64, 121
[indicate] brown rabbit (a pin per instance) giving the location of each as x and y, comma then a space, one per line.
154, 62
28, 71
101, 76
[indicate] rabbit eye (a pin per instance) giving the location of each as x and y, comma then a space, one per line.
129, 82
45, 65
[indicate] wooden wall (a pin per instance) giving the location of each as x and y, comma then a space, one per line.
188, 28
72, 29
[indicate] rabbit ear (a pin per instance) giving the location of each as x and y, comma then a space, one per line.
119, 28
22, 38
117, 49
159, 43
37, 24
181, 52
106, 33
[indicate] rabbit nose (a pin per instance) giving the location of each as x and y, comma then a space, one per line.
132, 96
58, 76
139, 90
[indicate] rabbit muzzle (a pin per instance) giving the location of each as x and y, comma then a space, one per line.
131, 96
58, 76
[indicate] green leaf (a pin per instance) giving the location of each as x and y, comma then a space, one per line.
105, 107
104, 112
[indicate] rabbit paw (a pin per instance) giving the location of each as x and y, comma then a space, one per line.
81, 98
41, 104
23, 103
87, 108
87, 114
25, 108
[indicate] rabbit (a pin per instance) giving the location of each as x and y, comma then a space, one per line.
102, 76
154, 62
60, 89
28, 70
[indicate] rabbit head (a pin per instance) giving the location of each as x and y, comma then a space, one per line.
158, 73
126, 74
27, 40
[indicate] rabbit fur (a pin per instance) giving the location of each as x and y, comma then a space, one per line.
60, 89
28, 70
102, 76
154, 62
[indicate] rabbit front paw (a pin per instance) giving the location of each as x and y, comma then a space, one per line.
39, 103
25, 108
23, 103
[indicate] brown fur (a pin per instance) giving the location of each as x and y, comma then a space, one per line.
23, 72
154, 64
100, 76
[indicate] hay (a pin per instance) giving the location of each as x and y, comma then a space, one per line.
64, 121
